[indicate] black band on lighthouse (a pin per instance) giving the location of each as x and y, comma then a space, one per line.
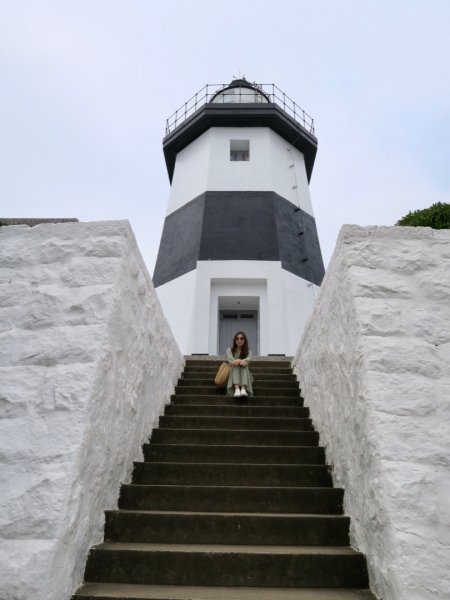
239, 226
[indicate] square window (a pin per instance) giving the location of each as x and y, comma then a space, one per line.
239, 150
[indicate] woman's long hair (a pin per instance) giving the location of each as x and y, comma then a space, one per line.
244, 349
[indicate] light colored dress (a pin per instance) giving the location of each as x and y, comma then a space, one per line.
239, 375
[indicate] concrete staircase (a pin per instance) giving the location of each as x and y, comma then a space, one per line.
233, 502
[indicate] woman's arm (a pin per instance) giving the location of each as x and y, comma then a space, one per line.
231, 359
247, 359
230, 356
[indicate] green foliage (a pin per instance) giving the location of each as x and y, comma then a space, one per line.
436, 216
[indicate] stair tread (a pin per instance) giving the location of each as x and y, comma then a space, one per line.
221, 410
236, 417
227, 549
171, 592
243, 446
231, 514
239, 487
260, 385
235, 437
207, 379
268, 431
260, 371
261, 374
231, 463
232, 454
245, 399
206, 422
242, 405
222, 400
235, 466
243, 402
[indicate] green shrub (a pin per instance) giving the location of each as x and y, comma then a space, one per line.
436, 216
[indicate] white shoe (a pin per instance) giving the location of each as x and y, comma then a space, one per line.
244, 392
237, 393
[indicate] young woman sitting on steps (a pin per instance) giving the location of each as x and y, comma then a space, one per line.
240, 379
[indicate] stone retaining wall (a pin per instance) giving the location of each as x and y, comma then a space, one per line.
374, 366
87, 362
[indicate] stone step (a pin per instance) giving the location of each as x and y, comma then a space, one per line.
233, 502
223, 400
319, 500
242, 410
231, 474
114, 591
259, 390
213, 528
234, 454
267, 383
203, 372
255, 363
250, 566
221, 422
260, 375
235, 437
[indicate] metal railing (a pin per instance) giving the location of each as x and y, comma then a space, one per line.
268, 92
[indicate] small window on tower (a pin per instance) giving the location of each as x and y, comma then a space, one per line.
239, 149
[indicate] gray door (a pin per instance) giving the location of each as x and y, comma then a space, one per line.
231, 321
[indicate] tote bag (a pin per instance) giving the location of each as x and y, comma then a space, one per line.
223, 373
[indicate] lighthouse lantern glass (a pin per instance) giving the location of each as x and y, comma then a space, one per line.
239, 95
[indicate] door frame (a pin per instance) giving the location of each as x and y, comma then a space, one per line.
239, 317
237, 294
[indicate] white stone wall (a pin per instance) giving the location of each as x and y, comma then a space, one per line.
87, 362
374, 366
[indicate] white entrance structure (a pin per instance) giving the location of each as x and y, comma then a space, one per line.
239, 249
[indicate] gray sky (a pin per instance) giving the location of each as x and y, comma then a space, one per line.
86, 86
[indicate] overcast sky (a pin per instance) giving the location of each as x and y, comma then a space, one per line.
86, 86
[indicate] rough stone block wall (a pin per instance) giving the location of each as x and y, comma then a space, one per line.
374, 366
87, 362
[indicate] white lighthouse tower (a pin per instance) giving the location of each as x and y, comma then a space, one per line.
239, 249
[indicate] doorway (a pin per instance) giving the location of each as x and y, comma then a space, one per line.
231, 321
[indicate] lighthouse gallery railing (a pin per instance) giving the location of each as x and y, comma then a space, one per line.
269, 90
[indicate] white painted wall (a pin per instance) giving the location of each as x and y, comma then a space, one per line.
190, 176
177, 298
374, 366
87, 362
285, 177
190, 303
299, 297
205, 165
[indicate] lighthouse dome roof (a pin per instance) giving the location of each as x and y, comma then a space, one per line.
240, 91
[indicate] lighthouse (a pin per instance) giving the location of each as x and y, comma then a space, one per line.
239, 248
